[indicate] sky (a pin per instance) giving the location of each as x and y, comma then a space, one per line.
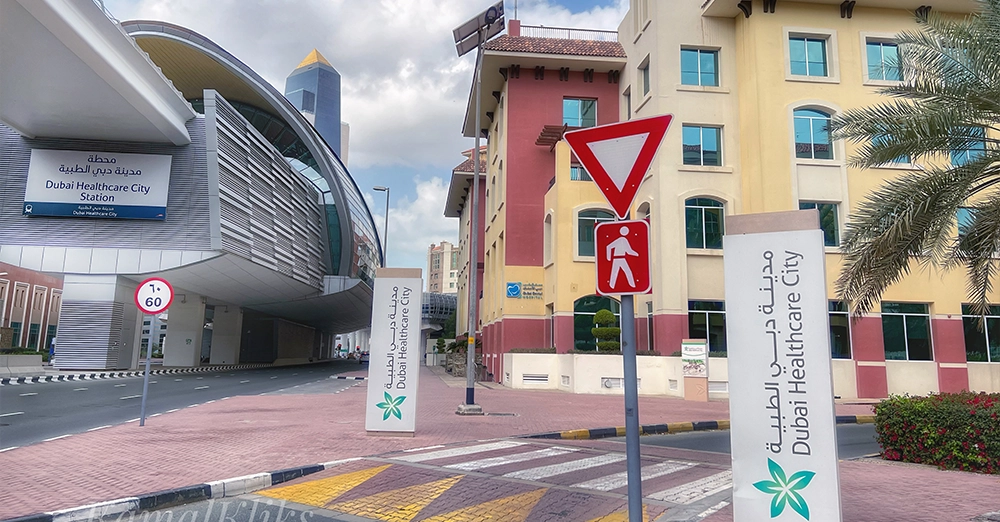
404, 89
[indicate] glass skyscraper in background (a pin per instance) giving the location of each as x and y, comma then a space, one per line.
314, 89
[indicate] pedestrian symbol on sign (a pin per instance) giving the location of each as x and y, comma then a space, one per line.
623, 260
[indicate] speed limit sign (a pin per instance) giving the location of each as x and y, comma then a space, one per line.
154, 295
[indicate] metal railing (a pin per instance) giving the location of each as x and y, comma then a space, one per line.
541, 31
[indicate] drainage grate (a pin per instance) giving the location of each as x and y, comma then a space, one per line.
501, 415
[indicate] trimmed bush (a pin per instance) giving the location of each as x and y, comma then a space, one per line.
949, 430
606, 333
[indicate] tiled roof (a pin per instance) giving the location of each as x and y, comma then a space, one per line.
528, 44
467, 166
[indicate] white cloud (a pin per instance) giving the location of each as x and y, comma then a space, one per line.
415, 225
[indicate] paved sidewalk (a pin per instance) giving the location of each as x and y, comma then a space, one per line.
252, 434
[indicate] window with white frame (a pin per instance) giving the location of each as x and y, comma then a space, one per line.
906, 332
808, 56
703, 220
973, 148
644, 75
578, 112
586, 221
700, 67
707, 320
982, 334
883, 60
840, 330
702, 145
812, 134
827, 221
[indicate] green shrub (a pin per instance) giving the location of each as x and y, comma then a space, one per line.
532, 350
606, 333
949, 430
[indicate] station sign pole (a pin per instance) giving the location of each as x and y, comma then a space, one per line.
153, 297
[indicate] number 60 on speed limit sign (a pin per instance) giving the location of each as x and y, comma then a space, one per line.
154, 295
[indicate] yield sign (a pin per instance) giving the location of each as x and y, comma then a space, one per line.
617, 156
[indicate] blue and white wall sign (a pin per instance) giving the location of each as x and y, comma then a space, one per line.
74, 183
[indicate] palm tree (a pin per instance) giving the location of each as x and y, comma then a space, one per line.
946, 108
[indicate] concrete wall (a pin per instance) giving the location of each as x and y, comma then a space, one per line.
185, 328
912, 377
226, 334
984, 377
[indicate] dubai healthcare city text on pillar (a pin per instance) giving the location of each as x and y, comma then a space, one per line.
394, 356
784, 439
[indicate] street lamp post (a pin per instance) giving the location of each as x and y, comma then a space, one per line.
472, 35
385, 226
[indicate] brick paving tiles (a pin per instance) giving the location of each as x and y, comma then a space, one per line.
251, 434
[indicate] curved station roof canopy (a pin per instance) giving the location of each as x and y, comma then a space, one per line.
194, 63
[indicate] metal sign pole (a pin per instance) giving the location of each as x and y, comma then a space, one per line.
470, 358
632, 455
145, 378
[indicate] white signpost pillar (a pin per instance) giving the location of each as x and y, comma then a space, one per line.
394, 356
784, 439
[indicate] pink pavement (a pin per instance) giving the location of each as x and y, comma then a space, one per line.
252, 434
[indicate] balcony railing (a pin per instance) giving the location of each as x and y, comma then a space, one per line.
541, 31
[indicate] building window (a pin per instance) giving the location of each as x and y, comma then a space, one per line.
699, 67
586, 221
33, 331
808, 56
975, 146
906, 332
579, 113
982, 335
644, 75
451, 285
703, 222
707, 320
583, 319
840, 330
454, 259
578, 173
883, 61
50, 334
827, 221
812, 135
702, 145
16, 327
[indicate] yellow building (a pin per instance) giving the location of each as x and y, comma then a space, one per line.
752, 86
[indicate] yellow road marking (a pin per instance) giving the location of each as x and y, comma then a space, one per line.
622, 516
321, 492
398, 505
514, 508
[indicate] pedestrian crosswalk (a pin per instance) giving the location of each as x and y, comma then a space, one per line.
705, 487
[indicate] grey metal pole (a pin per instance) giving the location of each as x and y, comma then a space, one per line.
145, 378
634, 467
470, 360
385, 231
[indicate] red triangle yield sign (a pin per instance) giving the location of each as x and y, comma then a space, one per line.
617, 156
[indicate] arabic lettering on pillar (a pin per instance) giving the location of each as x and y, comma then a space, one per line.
782, 294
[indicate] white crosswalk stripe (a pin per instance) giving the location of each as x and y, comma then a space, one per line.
696, 490
620, 480
510, 459
566, 467
457, 452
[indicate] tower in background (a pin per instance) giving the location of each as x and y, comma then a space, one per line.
314, 89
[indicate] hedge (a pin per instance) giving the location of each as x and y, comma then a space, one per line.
949, 430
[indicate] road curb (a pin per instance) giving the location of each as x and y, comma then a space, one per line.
14, 381
672, 427
349, 378
179, 496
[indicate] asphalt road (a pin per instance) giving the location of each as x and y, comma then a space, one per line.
31, 413
853, 440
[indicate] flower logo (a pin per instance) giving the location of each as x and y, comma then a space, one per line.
391, 407
786, 491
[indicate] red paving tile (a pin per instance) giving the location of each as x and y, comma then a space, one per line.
251, 434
